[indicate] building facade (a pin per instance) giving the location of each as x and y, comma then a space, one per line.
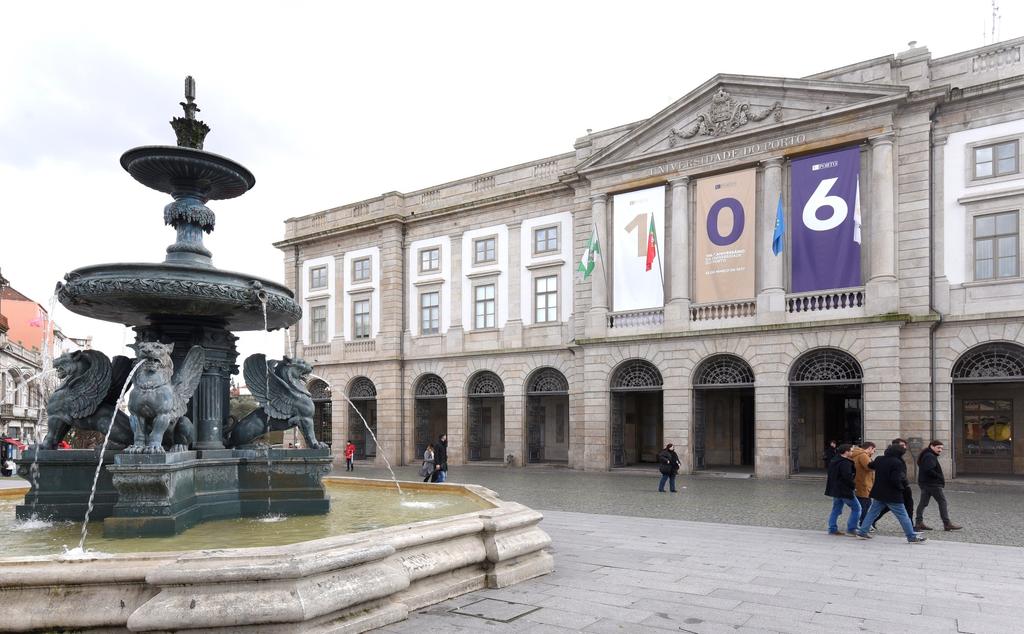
763, 266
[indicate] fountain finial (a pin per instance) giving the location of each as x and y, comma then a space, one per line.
190, 131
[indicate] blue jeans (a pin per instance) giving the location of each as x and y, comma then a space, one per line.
671, 479
837, 510
898, 510
442, 475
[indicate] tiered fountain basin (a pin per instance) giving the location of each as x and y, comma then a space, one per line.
369, 562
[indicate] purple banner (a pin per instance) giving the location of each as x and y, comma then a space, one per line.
825, 217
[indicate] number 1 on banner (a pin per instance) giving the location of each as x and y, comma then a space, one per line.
640, 224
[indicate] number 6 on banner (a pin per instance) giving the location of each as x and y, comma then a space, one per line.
820, 198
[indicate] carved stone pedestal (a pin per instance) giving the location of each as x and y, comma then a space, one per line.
61, 489
164, 494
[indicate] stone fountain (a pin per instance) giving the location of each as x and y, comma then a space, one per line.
176, 470
172, 463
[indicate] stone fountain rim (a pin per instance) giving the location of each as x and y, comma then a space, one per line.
226, 167
321, 544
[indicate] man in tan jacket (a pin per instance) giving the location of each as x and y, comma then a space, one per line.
864, 475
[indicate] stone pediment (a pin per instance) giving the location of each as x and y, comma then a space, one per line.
729, 106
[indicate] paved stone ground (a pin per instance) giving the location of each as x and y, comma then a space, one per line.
628, 574
756, 559
990, 514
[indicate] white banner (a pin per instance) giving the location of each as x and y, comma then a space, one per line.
633, 286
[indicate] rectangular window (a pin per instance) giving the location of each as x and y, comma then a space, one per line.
430, 260
996, 246
483, 250
546, 298
318, 324
361, 319
988, 428
430, 313
998, 159
545, 239
317, 278
484, 302
361, 270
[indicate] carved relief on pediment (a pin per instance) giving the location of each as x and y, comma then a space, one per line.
723, 117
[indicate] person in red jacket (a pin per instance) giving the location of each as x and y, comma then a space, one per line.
350, 451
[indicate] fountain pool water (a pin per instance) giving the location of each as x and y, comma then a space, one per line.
357, 506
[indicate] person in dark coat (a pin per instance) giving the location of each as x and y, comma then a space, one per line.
829, 453
932, 482
841, 486
908, 493
440, 459
890, 481
668, 465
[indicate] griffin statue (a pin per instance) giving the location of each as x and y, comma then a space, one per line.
280, 389
160, 397
87, 398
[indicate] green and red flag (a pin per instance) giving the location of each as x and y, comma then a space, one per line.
652, 244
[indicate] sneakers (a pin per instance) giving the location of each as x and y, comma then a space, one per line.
952, 527
918, 539
921, 526
863, 535
836, 533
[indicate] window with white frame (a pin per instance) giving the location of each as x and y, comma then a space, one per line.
996, 246
318, 278
545, 239
318, 324
361, 270
996, 159
430, 313
430, 260
483, 300
484, 250
361, 319
545, 294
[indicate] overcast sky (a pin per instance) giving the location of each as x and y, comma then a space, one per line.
329, 103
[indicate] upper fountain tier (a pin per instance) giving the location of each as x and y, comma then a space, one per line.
186, 284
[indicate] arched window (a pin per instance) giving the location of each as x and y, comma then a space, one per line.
547, 381
362, 389
990, 363
636, 375
431, 386
723, 370
486, 384
824, 366
319, 390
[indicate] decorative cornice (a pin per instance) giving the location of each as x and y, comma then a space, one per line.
723, 117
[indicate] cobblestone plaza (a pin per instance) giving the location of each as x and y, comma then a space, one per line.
860, 280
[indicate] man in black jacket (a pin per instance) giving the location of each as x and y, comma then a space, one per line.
932, 483
908, 493
890, 482
841, 487
440, 459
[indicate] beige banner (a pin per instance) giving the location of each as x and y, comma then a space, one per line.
724, 233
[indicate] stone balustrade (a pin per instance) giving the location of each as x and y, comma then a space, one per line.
637, 318
723, 310
820, 301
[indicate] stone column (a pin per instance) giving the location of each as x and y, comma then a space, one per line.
937, 248
597, 318
453, 339
512, 335
882, 290
677, 310
771, 292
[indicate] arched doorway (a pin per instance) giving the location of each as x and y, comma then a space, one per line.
363, 396
723, 407
825, 403
988, 409
431, 411
547, 416
321, 393
637, 423
486, 395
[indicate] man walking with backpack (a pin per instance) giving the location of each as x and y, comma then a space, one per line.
932, 482
841, 487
